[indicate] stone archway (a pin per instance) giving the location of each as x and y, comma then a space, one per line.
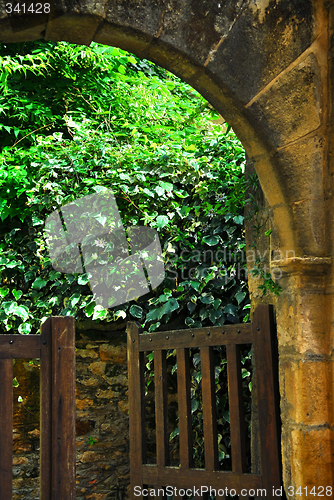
263, 64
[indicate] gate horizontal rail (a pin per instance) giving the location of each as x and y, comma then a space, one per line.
261, 334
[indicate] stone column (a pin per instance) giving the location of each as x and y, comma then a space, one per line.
304, 312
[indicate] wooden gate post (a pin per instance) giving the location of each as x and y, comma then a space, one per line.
58, 447
6, 428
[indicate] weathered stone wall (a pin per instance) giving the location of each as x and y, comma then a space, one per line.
101, 421
266, 66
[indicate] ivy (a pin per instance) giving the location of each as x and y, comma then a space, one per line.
76, 120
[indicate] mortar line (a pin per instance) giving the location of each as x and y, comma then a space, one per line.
218, 44
160, 23
286, 70
312, 133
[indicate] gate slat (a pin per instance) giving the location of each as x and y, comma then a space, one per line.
209, 409
184, 407
46, 410
161, 407
6, 428
237, 427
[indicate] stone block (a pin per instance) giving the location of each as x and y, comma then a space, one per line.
305, 391
196, 28
124, 406
72, 28
98, 496
20, 460
142, 16
86, 353
84, 426
301, 165
89, 382
90, 456
291, 107
115, 354
312, 446
22, 29
97, 368
310, 221
171, 59
300, 319
84, 403
107, 394
264, 41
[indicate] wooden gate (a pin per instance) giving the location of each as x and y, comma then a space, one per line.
260, 333
56, 349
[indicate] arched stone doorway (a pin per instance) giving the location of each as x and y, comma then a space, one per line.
263, 64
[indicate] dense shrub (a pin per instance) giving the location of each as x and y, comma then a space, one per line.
117, 122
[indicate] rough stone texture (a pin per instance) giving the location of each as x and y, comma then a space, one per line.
293, 103
285, 25
102, 428
266, 66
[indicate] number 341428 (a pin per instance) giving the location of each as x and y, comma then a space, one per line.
33, 8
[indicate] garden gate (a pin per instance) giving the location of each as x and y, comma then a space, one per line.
260, 333
55, 347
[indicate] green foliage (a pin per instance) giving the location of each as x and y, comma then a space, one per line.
115, 121
76, 120
259, 270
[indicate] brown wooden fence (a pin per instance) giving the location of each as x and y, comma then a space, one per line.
56, 349
260, 333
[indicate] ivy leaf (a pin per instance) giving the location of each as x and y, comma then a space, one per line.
22, 312
231, 309
83, 279
169, 307
159, 190
100, 312
191, 307
136, 311
211, 240
90, 309
226, 415
54, 275
167, 186
170, 85
194, 405
25, 328
154, 327
181, 193
74, 299
157, 313
9, 307
153, 314
238, 219
4, 292
206, 298
240, 296
162, 221
38, 283
216, 303
175, 433
17, 294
